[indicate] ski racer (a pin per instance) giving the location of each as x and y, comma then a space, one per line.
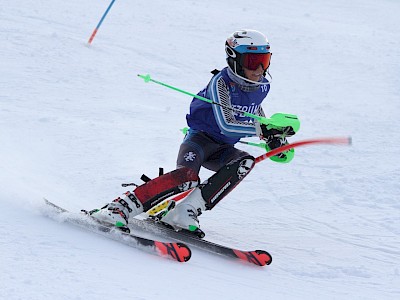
210, 141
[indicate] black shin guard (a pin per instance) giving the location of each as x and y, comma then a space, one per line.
225, 180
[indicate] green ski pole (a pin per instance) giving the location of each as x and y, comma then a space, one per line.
260, 145
276, 120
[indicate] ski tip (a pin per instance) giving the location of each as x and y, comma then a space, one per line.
177, 251
257, 257
184, 252
264, 257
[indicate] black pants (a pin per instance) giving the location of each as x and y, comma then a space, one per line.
198, 149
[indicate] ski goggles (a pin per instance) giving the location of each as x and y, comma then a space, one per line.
251, 61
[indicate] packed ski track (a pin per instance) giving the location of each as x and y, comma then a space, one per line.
76, 122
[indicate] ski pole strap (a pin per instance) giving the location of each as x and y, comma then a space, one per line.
333, 140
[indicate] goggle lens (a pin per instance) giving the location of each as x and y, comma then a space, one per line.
251, 61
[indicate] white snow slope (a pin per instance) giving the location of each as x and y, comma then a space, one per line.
76, 122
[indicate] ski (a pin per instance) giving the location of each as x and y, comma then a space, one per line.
175, 250
257, 257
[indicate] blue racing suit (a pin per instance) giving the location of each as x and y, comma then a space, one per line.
215, 129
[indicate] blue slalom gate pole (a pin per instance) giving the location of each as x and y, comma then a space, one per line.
101, 21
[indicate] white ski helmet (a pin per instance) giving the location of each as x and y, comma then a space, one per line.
247, 49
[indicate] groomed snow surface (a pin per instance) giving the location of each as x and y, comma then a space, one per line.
76, 122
